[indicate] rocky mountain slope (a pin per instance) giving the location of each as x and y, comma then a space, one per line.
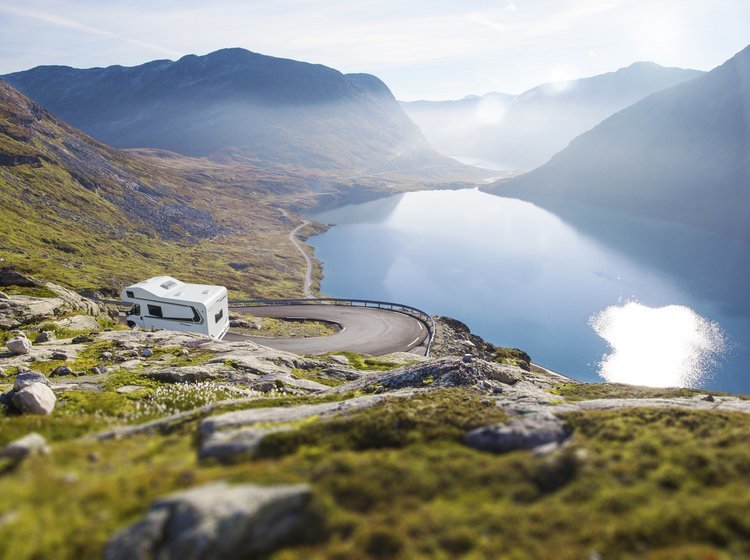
523, 132
138, 444
681, 155
91, 216
242, 105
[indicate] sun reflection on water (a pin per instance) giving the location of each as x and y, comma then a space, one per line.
668, 346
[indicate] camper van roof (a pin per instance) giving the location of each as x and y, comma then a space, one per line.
166, 287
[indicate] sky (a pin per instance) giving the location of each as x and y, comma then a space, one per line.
422, 49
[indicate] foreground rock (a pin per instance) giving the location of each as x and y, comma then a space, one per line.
28, 445
216, 521
528, 432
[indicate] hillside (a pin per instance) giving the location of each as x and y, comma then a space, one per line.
525, 131
681, 155
245, 106
81, 213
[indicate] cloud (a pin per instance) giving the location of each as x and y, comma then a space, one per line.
60, 21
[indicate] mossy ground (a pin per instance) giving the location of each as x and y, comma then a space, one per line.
396, 481
588, 391
287, 328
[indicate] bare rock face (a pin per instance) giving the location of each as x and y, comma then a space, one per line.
36, 398
18, 345
528, 432
20, 449
216, 521
445, 372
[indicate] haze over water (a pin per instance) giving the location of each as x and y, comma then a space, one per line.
521, 276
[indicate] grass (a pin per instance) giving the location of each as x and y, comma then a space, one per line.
590, 391
287, 328
395, 481
364, 362
31, 291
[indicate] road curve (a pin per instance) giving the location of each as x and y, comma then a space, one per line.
364, 329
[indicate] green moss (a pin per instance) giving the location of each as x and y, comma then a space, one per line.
364, 362
589, 391
31, 291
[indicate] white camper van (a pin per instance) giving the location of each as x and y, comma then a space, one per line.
163, 302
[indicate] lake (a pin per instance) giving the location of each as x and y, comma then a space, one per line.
662, 313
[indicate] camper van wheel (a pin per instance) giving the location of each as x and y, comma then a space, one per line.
131, 324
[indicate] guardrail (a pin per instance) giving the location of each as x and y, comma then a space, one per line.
420, 315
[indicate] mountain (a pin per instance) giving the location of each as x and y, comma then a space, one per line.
239, 104
681, 155
81, 213
525, 131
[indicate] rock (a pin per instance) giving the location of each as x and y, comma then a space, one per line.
2, 373
60, 355
98, 370
184, 352
18, 332
27, 378
45, 336
527, 432
343, 360
82, 339
3, 295
106, 355
468, 358
10, 277
709, 398
79, 323
63, 370
264, 386
18, 345
125, 389
28, 445
36, 398
215, 521
147, 353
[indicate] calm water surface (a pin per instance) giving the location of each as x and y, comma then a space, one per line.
521, 276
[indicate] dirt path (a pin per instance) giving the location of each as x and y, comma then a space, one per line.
307, 285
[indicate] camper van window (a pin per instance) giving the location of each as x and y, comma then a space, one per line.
219, 316
129, 294
196, 316
168, 284
135, 310
154, 310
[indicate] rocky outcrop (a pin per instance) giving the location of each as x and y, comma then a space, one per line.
26, 310
216, 521
445, 372
237, 434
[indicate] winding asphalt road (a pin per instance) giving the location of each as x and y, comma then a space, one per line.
364, 330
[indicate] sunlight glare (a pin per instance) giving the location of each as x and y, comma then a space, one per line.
668, 346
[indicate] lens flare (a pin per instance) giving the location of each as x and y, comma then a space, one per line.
668, 346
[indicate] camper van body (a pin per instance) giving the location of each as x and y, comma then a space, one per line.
163, 302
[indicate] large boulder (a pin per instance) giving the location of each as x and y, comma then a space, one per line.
36, 398
18, 345
27, 378
527, 432
79, 323
216, 521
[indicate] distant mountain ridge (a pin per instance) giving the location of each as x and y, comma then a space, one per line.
681, 155
235, 101
524, 131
